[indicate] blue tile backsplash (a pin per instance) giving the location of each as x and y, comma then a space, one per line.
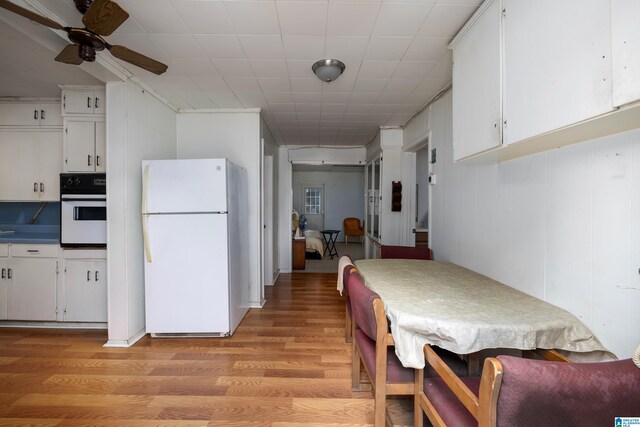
21, 212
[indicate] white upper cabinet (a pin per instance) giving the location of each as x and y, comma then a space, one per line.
557, 65
83, 101
31, 114
84, 145
477, 82
625, 38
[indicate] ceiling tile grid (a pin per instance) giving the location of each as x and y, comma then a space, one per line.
259, 53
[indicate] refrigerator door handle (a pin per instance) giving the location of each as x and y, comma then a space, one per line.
145, 219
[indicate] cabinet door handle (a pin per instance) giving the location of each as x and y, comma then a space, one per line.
97, 160
35, 114
33, 251
95, 104
35, 187
9, 273
42, 115
96, 276
88, 102
42, 187
88, 275
4, 273
89, 160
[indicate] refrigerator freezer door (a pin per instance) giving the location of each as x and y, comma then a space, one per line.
186, 283
184, 186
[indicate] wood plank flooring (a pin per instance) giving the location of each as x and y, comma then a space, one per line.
287, 365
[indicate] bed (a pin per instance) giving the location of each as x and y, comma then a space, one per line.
314, 242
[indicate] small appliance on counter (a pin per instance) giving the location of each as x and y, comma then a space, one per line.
83, 210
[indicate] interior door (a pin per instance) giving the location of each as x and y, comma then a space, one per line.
312, 197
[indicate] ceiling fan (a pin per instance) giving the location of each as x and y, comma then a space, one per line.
101, 18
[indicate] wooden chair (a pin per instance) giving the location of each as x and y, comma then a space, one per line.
373, 350
405, 252
348, 319
514, 391
352, 227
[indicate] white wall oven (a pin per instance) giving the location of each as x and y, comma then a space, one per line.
83, 210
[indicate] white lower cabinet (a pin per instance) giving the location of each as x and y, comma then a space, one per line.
85, 286
4, 253
31, 282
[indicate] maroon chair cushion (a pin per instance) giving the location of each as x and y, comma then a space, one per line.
446, 403
362, 304
542, 393
396, 373
345, 284
404, 252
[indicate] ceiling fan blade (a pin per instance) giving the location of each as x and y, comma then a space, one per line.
70, 55
6, 4
137, 59
104, 16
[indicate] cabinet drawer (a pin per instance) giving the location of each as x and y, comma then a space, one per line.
34, 251
4, 250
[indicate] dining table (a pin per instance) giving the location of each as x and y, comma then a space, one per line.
449, 306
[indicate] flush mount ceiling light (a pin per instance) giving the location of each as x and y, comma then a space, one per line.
328, 70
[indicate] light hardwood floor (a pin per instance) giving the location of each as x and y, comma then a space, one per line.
286, 365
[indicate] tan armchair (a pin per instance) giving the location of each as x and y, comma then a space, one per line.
352, 227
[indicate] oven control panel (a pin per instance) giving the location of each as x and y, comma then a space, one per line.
83, 183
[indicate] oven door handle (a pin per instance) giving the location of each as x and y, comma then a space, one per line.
83, 197
145, 218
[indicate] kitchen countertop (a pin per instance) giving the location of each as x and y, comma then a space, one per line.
40, 234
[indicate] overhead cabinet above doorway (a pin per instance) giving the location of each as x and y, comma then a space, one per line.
531, 76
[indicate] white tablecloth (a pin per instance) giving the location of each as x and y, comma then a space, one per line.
443, 304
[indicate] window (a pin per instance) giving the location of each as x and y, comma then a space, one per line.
312, 201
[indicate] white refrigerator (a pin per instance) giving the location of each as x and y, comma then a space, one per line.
194, 221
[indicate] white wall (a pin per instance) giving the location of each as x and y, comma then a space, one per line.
271, 208
344, 194
236, 136
422, 181
138, 127
562, 225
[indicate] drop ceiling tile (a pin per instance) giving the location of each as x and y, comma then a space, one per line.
351, 19
308, 108
333, 109
279, 97
445, 20
401, 19
430, 86
197, 99
204, 17
306, 97
275, 85
176, 83
300, 69
209, 84
471, 2
234, 67
240, 84
352, 47
310, 48
387, 48
364, 97
443, 69
282, 108
421, 97
427, 49
389, 109
271, 68
262, 47
253, 17
194, 67
413, 69
308, 116
377, 69
225, 99
408, 109
302, 18
343, 84
393, 98
306, 85
178, 46
335, 97
370, 85
252, 99
218, 46
405, 86
155, 16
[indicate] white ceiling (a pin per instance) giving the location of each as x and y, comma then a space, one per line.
245, 54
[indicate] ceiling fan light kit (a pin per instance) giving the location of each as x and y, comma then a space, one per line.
328, 70
100, 18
